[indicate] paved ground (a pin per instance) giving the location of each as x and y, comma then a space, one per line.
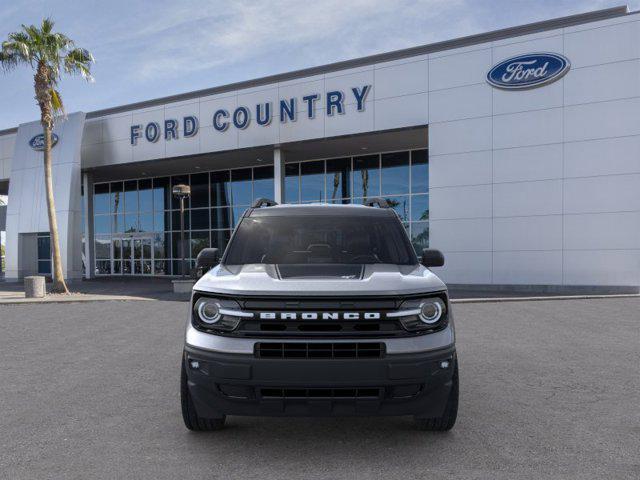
549, 389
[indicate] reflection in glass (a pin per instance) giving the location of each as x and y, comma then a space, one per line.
103, 247
292, 182
420, 236
161, 267
145, 195
220, 218
161, 194
117, 248
117, 268
338, 179
103, 267
200, 190
116, 197
400, 205
130, 223
219, 239
101, 198
159, 223
199, 240
241, 187
146, 222
220, 191
130, 196
102, 224
395, 173
236, 214
175, 220
420, 171
159, 245
200, 219
263, 182
312, 181
420, 207
366, 176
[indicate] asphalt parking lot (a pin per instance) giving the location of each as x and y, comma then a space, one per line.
549, 389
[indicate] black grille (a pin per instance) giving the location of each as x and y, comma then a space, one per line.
358, 350
332, 393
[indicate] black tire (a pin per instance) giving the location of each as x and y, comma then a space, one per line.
191, 419
448, 418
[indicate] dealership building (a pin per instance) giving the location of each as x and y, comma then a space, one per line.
516, 152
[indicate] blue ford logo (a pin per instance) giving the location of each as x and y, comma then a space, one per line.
37, 142
528, 71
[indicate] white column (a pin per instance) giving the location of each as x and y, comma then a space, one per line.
278, 175
87, 205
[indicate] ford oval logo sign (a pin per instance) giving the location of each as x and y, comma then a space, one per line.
528, 71
37, 142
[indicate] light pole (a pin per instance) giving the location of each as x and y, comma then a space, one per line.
182, 192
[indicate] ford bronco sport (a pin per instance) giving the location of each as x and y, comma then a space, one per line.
318, 310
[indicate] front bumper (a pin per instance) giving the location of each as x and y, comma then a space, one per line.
412, 383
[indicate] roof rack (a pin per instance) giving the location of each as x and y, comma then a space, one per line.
380, 202
264, 202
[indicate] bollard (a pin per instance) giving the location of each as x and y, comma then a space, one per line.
34, 287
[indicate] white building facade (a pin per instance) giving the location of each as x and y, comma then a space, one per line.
515, 152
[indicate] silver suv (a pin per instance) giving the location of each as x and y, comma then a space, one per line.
319, 310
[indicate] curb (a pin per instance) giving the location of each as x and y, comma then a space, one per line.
541, 299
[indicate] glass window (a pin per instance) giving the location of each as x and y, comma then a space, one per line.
160, 243
102, 224
200, 190
220, 218
420, 171
199, 240
131, 196
117, 223
312, 181
161, 221
338, 179
263, 182
400, 205
146, 222
236, 214
220, 238
177, 180
145, 195
44, 267
220, 191
200, 219
117, 190
175, 245
366, 176
241, 187
395, 173
103, 267
161, 194
420, 236
117, 248
161, 267
292, 182
175, 220
101, 198
117, 268
131, 222
103, 247
419, 207
44, 246
320, 239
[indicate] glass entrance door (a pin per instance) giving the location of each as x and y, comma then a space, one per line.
132, 255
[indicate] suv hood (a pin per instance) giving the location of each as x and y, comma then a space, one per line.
336, 280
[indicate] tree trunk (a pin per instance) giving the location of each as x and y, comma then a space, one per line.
42, 85
59, 285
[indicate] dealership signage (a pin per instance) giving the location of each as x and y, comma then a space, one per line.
286, 109
528, 71
37, 142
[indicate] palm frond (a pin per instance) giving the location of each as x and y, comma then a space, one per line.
78, 61
56, 101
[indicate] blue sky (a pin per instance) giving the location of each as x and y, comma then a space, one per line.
149, 49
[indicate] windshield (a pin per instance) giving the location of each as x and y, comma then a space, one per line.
324, 239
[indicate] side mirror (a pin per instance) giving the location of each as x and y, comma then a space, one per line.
206, 260
432, 258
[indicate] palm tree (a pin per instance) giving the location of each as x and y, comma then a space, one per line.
48, 54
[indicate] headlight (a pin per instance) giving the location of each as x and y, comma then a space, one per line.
423, 314
209, 315
208, 310
431, 311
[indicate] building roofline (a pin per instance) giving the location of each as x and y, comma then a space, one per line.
459, 42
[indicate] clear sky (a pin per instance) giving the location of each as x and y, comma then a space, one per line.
148, 49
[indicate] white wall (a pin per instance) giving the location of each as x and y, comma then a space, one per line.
539, 186
6, 153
